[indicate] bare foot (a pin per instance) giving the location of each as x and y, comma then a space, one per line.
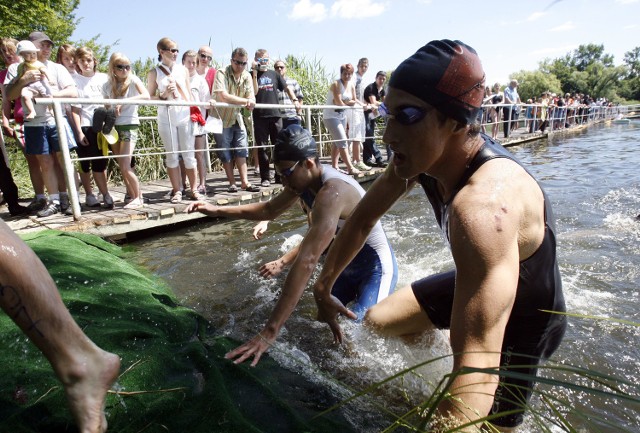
87, 390
30, 116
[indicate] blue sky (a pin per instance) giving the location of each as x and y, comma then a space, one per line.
509, 35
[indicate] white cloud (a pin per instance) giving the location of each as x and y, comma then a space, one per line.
536, 16
306, 10
563, 27
348, 9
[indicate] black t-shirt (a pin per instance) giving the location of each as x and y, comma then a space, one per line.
269, 82
372, 89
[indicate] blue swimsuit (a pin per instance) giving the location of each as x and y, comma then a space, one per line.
373, 272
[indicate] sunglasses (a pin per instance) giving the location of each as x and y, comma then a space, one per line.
263, 60
406, 115
204, 56
238, 62
289, 171
173, 50
123, 67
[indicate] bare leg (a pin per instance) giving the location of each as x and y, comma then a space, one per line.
228, 170
30, 297
202, 170
85, 179
29, 110
101, 181
241, 163
174, 177
128, 174
344, 154
399, 314
35, 174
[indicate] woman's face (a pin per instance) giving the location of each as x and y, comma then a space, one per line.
68, 62
169, 54
121, 69
190, 63
9, 56
346, 75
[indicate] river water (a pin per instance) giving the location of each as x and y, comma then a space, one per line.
593, 179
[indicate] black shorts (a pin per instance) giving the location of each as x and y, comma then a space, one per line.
527, 340
92, 150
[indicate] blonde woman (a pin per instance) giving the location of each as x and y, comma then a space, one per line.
169, 80
89, 83
124, 84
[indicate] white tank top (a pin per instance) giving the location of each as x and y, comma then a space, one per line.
345, 95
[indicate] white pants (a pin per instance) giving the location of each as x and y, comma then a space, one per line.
178, 138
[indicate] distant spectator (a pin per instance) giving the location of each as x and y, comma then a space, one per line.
290, 115
374, 95
511, 111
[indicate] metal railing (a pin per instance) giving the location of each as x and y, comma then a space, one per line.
528, 115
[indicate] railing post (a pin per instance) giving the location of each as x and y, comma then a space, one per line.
69, 171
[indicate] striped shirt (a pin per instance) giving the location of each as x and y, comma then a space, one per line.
283, 97
242, 88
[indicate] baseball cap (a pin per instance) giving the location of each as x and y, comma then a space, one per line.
26, 47
294, 143
39, 37
447, 75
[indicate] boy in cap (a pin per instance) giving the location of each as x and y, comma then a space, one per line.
330, 196
29, 53
498, 222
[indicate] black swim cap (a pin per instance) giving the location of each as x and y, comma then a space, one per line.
447, 75
294, 143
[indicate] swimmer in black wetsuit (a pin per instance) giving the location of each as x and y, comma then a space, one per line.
497, 221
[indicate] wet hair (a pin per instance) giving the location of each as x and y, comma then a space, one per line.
119, 89
83, 52
163, 44
348, 67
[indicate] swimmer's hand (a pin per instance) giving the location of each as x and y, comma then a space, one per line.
259, 229
328, 309
202, 207
271, 269
254, 347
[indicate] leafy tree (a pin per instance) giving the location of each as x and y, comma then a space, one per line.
533, 83
632, 60
56, 18
589, 54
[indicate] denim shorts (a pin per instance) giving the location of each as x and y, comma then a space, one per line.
43, 140
232, 139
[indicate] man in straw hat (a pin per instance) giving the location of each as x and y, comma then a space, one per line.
500, 228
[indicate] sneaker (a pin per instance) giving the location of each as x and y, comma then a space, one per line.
108, 201
92, 201
64, 204
362, 166
380, 163
50, 209
265, 183
37, 204
18, 210
136, 203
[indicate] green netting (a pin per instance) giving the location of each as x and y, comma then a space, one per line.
167, 352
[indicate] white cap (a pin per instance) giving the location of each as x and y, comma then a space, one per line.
26, 46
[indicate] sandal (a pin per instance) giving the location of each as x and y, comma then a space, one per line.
354, 171
341, 171
176, 197
232, 188
195, 195
252, 188
202, 189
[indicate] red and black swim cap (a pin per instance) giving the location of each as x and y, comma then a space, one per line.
447, 75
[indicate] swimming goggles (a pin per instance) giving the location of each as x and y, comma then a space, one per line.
406, 115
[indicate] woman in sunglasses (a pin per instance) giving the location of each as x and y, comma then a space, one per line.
169, 80
498, 222
89, 84
124, 84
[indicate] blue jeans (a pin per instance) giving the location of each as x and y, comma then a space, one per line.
233, 138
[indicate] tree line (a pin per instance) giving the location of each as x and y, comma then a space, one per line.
587, 70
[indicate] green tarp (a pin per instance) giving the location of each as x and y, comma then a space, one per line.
173, 369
